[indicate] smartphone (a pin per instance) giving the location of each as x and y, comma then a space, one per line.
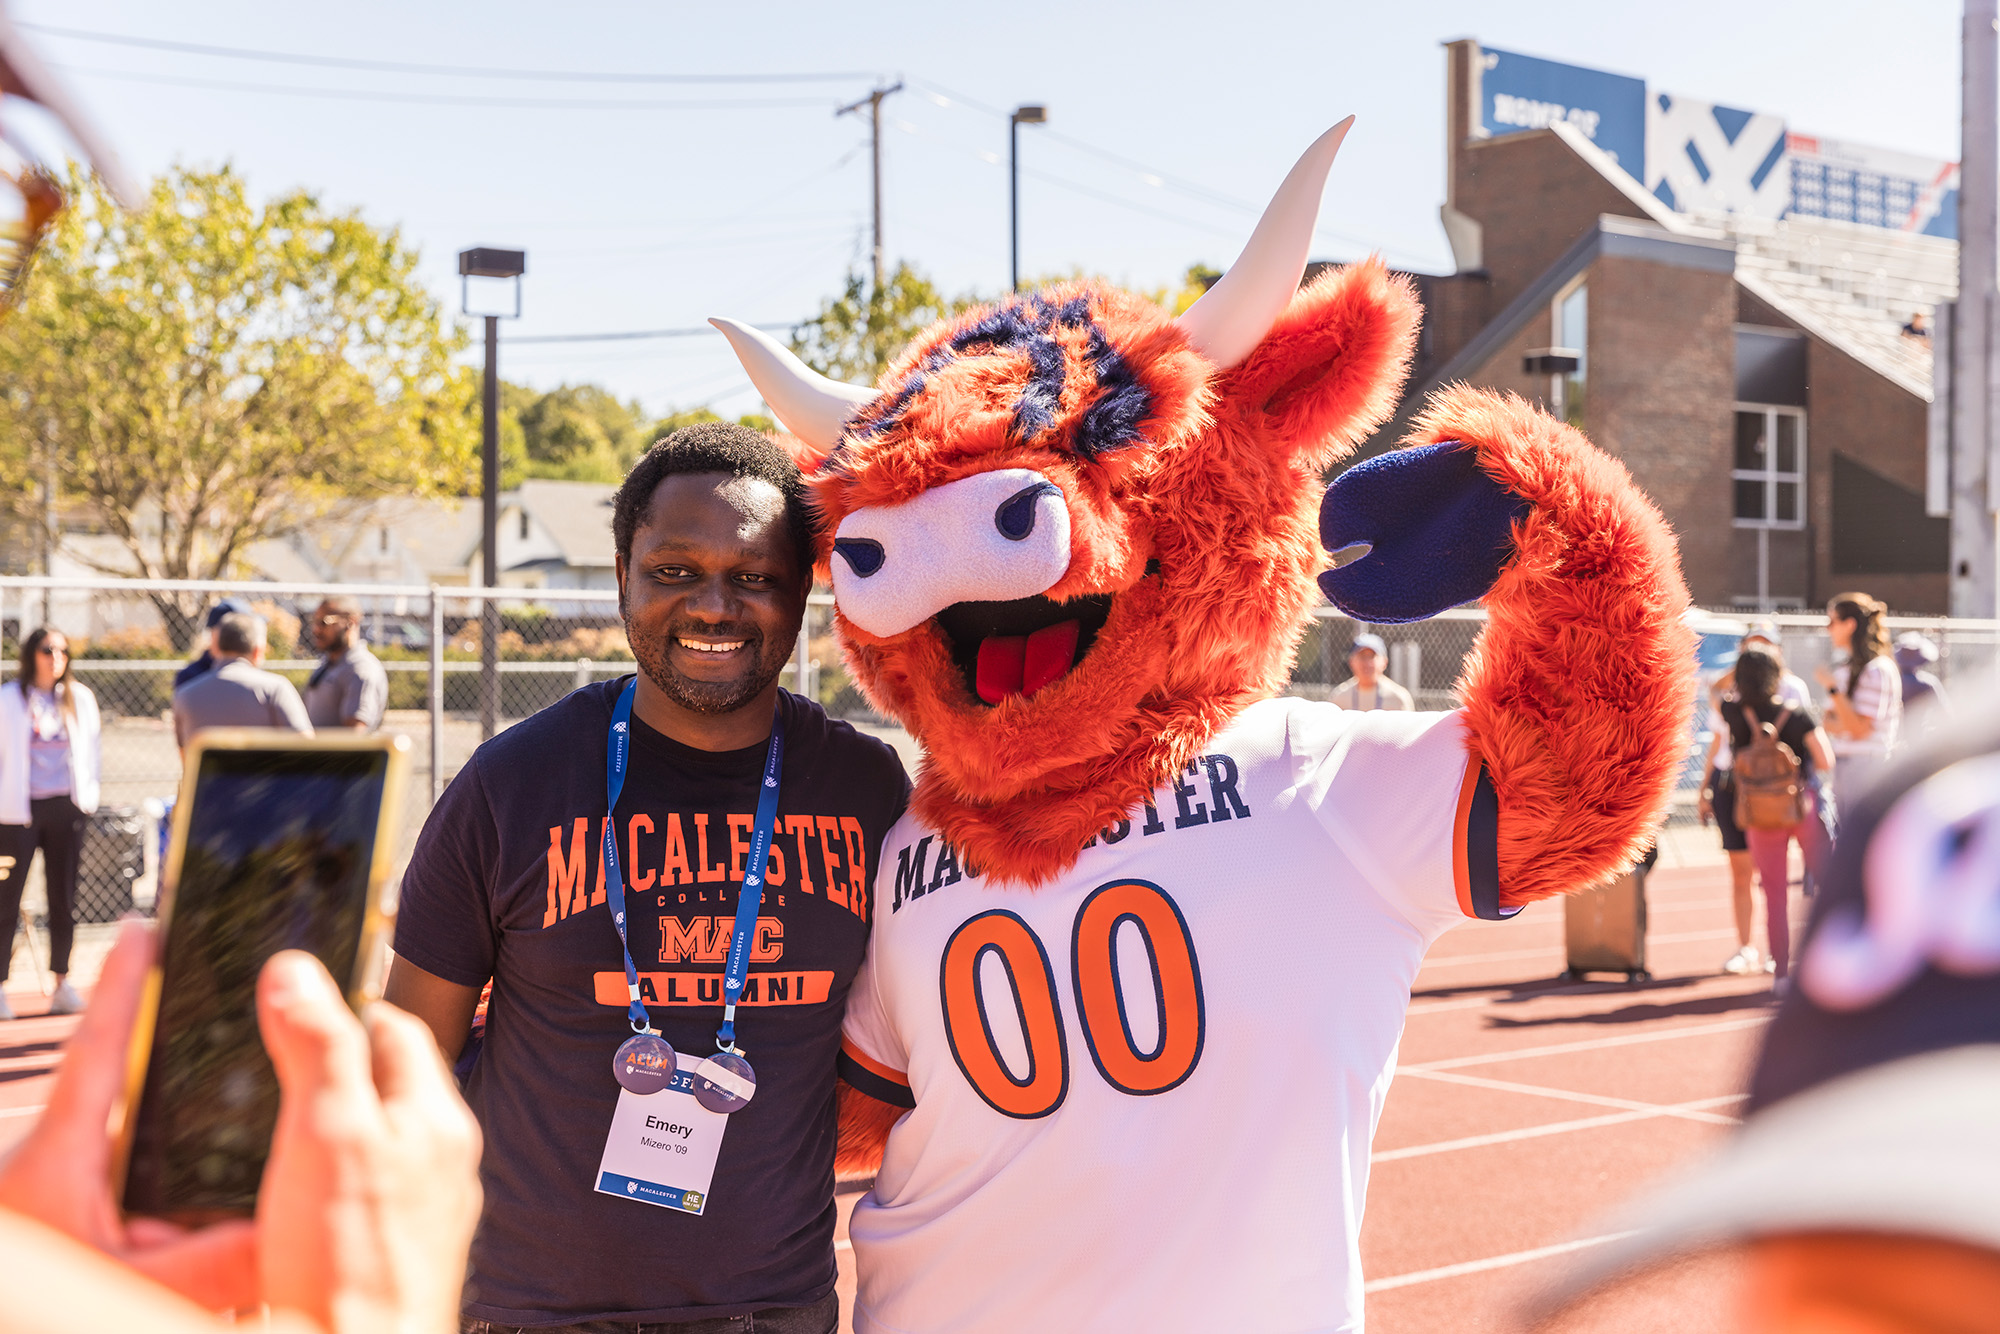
279, 842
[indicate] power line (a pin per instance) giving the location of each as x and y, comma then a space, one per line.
449, 99
460, 71
626, 335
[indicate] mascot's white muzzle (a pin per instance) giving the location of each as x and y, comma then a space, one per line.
992, 537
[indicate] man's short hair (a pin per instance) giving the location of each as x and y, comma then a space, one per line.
343, 603
241, 632
714, 447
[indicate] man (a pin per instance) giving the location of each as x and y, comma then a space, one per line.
236, 693
1717, 799
1368, 688
509, 884
206, 662
349, 688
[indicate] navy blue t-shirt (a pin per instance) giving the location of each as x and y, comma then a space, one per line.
507, 883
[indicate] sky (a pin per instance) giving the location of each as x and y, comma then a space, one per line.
654, 205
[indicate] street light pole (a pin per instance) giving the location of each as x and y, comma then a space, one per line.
487, 263
1023, 115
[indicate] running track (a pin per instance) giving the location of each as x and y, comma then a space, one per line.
1523, 1108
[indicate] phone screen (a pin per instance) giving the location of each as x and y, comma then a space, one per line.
278, 856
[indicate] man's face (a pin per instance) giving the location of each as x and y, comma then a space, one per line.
1364, 664
712, 590
330, 626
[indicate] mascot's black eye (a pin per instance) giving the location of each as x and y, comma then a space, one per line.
864, 555
1016, 516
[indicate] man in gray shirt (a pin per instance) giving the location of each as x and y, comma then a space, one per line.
351, 688
237, 693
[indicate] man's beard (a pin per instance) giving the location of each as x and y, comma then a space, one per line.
708, 697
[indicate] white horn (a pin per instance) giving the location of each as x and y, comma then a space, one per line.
1228, 322
810, 406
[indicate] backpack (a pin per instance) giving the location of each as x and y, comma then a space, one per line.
1769, 790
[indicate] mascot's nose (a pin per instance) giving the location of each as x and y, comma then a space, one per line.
991, 537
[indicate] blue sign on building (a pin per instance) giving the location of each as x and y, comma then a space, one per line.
1518, 92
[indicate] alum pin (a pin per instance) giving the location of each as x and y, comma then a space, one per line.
644, 1064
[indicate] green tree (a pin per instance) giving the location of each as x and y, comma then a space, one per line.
206, 372
581, 434
858, 333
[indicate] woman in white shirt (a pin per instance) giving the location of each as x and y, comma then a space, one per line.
1865, 701
48, 789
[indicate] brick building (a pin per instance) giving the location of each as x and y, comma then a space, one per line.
1752, 372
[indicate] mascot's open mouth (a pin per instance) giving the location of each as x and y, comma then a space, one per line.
1016, 648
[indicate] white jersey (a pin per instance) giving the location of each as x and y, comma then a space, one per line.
1144, 1093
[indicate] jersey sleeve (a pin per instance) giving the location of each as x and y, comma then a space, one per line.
1409, 805
872, 1058
444, 915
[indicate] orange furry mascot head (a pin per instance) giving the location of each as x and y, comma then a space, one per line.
1071, 537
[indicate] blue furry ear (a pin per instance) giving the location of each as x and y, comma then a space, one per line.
1437, 532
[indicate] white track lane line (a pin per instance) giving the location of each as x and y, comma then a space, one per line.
1593, 1044
1496, 1262
1556, 948
1568, 1095
1552, 1128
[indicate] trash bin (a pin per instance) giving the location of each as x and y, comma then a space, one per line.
1604, 929
112, 859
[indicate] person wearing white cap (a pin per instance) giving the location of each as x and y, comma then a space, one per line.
1925, 704
1370, 687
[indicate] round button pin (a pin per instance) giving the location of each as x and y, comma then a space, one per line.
724, 1082
644, 1064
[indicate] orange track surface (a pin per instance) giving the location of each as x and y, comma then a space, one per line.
1524, 1107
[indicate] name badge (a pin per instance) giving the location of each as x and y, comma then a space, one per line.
662, 1147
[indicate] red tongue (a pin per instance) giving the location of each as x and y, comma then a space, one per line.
1023, 664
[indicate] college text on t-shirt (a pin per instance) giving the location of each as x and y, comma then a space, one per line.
690, 864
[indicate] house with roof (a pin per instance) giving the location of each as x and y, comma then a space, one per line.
1716, 301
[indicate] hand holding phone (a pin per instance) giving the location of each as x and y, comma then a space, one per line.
370, 1200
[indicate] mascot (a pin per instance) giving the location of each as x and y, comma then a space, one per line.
1143, 944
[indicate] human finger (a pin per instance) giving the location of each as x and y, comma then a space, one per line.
215, 1267
314, 1040
93, 1068
407, 1064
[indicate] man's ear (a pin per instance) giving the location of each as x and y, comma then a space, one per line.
1330, 370
618, 569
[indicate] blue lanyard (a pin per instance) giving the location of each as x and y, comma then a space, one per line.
748, 898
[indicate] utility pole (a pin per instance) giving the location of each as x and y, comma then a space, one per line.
1975, 445
874, 104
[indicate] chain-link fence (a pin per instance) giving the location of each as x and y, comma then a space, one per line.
130, 637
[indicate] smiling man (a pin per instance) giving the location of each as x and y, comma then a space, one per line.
596, 1217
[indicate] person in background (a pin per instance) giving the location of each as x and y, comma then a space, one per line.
1369, 688
1918, 327
350, 687
206, 662
48, 790
1864, 701
1718, 794
363, 1218
1925, 704
1758, 674
238, 693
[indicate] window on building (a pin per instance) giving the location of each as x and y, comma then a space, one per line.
524, 525
1770, 471
385, 538
1572, 330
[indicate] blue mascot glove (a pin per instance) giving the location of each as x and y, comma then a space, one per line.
1437, 528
